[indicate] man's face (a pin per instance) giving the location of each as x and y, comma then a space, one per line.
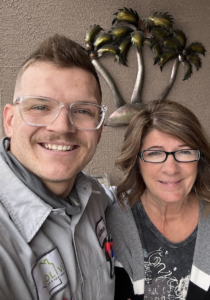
31, 145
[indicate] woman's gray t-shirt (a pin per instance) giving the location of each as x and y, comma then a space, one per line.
167, 265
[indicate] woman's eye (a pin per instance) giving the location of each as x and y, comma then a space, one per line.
186, 152
153, 153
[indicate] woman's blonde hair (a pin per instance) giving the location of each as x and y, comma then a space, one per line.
171, 118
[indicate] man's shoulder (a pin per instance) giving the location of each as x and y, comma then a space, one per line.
95, 183
97, 186
99, 191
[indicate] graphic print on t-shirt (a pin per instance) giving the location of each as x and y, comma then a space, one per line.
161, 283
167, 265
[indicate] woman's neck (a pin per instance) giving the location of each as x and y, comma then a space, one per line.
176, 221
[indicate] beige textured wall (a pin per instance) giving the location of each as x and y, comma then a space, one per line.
24, 23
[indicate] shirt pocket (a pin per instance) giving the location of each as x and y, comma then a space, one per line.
106, 283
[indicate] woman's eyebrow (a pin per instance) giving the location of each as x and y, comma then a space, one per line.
161, 147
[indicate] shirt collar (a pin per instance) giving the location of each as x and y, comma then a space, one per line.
21, 203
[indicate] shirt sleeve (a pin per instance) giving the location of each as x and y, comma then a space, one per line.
123, 285
129, 268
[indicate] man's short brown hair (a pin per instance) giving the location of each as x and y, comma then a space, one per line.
63, 53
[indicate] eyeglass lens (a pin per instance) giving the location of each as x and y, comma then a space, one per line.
44, 111
185, 155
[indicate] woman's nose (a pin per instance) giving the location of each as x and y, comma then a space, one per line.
170, 166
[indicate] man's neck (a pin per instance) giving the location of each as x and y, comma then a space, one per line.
60, 189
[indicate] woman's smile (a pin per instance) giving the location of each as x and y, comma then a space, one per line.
169, 181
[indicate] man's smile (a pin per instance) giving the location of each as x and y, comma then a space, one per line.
55, 147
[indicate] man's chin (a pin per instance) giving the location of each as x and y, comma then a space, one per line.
53, 178
56, 179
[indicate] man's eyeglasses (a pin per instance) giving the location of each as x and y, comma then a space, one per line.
41, 111
158, 156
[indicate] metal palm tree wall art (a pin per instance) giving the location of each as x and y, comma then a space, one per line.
158, 34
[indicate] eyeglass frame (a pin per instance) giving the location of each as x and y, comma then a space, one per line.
19, 100
167, 154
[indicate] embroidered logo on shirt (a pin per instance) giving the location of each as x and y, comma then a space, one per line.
101, 231
49, 275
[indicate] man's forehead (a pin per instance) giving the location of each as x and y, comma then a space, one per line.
43, 68
28, 71
40, 75
47, 70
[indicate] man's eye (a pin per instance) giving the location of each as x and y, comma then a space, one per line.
83, 112
39, 107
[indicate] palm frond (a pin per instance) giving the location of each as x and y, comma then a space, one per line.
163, 20
92, 32
124, 48
126, 15
150, 41
195, 60
109, 49
157, 52
120, 32
159, 33
180, 36
102, 39
197, 48
171, 43
137, 38
155, 47
165, 57
187, 69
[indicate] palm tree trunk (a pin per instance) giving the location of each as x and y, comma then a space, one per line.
136, 95
165, 92
119, 101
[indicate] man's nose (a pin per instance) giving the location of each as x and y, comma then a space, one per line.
62, 123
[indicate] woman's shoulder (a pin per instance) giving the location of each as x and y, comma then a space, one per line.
126, 241
118, 213
120, 223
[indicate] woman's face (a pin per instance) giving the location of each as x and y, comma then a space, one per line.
170, 181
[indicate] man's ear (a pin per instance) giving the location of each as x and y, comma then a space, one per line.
8, 119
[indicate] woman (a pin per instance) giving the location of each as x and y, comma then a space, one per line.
161, 229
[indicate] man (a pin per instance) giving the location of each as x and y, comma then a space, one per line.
52, 227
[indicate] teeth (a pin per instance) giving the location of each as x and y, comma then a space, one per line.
58, 147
